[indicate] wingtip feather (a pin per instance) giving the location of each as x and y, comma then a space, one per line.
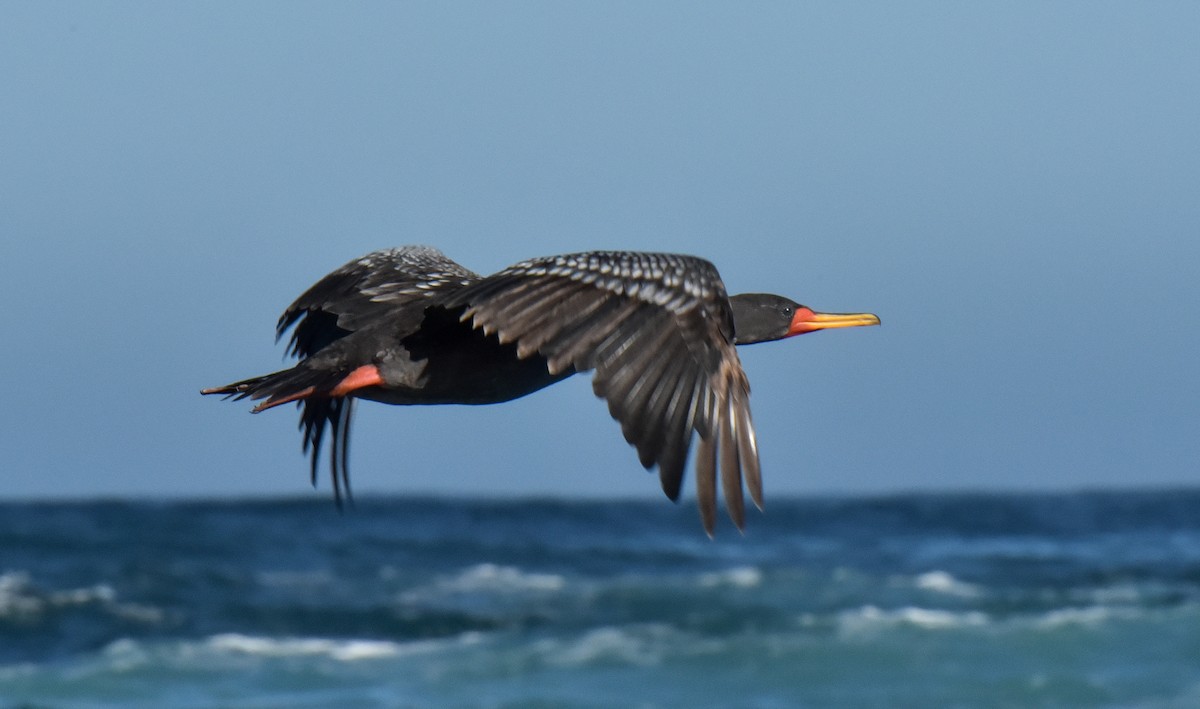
731, 472
706, 484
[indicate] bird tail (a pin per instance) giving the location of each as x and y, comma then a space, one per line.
277, 388
324, 404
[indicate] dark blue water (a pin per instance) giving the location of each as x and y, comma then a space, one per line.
918, 601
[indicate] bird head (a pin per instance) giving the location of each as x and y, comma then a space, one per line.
763, 317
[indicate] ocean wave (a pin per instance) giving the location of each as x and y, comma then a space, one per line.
1087, 616
943, 582
493, 577
23, 600
15, 599
488, 578
344, 650
128, 653
870, 617
640, 645
737, 577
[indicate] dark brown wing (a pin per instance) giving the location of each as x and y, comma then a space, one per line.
366, 289
353, 296
658, 331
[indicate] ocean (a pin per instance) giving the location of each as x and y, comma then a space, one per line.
1023, 600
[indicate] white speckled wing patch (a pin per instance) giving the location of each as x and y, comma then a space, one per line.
675, 281
411, 270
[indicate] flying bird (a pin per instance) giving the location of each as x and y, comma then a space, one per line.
410, 326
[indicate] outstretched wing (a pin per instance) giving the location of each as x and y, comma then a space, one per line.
363, 290
351, 297
658, 331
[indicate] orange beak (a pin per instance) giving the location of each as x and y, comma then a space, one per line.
807, 320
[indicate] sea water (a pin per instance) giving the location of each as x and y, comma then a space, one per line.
1058, 600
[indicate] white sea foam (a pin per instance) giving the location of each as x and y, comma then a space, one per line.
16, 597
942, 582
344, 650
125, 654
101, 593
489, 578
870, 617
217, 651
21, 598
1085, 616
137, 612
737, 577
642, 645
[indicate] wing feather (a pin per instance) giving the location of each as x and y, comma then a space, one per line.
681, 416
517, 302
628, 402
577, 303
584, 346
731, 471
748, 445
363, 290
359, 293
657, 330
647, 397
706, 483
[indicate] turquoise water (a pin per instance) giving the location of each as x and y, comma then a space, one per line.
913, 601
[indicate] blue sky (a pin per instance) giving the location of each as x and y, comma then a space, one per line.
1013, 187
